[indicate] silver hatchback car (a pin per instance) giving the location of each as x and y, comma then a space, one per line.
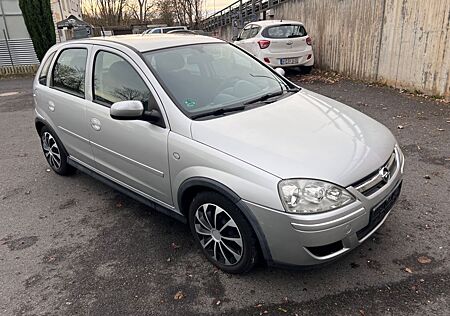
202, 131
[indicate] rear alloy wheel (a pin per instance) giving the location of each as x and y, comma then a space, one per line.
222, 232
54, 153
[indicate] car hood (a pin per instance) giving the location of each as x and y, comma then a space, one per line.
305, 135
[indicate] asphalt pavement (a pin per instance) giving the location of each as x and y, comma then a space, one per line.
73, 246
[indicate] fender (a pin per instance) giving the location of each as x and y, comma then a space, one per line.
231, 195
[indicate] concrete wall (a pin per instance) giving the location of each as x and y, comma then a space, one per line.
404, 43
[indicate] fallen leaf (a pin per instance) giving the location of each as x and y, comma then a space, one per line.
427, 177
424, 260
361, 311
400, 127
258, 306
408, 270
282, 310
179, 295
441, 129
218, 302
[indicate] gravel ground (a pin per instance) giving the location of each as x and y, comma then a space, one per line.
73, 246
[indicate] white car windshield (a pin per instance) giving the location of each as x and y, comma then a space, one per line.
205, 78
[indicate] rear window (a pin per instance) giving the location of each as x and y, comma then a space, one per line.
173, 29
284, 31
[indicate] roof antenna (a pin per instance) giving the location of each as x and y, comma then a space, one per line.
281, 20
103, 30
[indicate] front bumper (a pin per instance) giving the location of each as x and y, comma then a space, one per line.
304, 240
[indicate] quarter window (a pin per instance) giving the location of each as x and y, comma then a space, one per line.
69, 71
44, 72
116, 80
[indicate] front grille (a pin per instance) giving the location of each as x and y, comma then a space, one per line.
374, 181
379, 212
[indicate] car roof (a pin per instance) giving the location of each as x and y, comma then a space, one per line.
149, 42
170, 27
275, 22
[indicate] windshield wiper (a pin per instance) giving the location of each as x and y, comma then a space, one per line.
218, 112
264, 97
288, 88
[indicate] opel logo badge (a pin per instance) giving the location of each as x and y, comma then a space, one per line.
385, 174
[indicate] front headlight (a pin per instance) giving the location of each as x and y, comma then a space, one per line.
306, 196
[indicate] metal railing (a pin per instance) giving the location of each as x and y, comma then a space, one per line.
239, 13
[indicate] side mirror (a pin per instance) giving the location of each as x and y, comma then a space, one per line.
280, 71
153, 116
127, 110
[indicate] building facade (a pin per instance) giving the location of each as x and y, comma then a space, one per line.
16, 47
62, 9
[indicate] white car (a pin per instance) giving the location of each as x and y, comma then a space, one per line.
165, 29
278, 43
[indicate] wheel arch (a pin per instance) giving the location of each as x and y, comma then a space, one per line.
39, 124
192, 186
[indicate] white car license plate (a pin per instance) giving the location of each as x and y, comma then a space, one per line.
288, 61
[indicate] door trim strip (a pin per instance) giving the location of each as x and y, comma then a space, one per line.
123, 184
139, 164
73, 134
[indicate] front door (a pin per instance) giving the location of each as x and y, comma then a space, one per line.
131, 152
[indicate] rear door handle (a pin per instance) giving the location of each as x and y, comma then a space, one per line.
96, 124
51, 106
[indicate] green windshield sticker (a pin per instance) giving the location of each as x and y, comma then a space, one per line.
190, 103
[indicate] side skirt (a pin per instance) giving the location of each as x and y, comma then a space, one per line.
127, 192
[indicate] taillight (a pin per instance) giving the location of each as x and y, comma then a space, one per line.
308, 40
263, 44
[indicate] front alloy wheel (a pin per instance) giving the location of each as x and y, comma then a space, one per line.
222, 232
218, 234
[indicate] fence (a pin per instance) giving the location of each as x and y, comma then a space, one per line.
404, 43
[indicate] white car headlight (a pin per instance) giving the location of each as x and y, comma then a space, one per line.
306, 196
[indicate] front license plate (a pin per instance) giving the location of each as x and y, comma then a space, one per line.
379, 212
288, 61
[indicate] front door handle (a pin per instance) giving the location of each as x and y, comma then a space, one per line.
96, 124
51, 106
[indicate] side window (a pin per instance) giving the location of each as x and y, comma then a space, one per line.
245, 32
254, 31
69, 71
44, 72
116, 80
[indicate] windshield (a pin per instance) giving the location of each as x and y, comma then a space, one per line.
209, 77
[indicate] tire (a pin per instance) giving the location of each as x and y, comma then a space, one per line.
224, 229
54, 152
306, 69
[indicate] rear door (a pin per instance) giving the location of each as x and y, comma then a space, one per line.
62, 98
286, 38
132, 153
